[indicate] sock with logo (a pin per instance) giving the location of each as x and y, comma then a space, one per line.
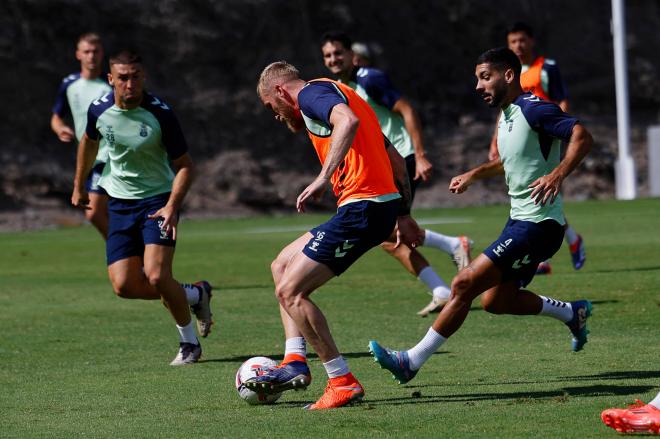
423, 350
187, 333
442, 242
336, 367
295, 349
438, 287
556, 308
192, 293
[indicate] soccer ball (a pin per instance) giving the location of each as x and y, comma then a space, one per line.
254, 367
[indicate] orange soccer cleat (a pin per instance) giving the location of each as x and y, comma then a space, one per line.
340, 391
639, 417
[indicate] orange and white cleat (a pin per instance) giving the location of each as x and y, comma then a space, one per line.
340, 391
637, 418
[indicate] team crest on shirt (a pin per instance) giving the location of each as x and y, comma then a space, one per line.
109, 134
143, 130
509, 124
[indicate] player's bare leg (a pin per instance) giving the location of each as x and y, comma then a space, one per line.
418, 266
97, 214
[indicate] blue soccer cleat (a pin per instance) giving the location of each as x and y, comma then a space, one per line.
578, 254
395, 361
291, 376
578, 324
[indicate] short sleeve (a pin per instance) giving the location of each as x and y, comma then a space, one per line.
317, 99
173, 139
61, 107
557, 90
92, 116
378, 86
547, 118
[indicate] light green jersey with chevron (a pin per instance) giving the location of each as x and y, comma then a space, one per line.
529, 137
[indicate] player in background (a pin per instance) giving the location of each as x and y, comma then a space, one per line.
637, 418
369, 179
541, 76
401, 125
529, 139
362, 56
148, 176
76, 92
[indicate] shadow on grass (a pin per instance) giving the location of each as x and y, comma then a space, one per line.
520, 397
279, 357
612, 375
625, 270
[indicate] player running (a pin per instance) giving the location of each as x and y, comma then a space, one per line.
144, 143
76, 92
362, 168
541, 77
401, 125
529, 138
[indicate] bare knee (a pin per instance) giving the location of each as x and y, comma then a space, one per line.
492, 305
462, 286
287, 294
121, 288
277, 268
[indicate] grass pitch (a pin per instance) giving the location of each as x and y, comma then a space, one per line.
77, 361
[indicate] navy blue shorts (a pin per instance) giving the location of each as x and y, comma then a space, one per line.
130, 228
411, 167
522, 246
356, 228
92, 182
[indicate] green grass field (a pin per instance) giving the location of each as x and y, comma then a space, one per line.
77, 361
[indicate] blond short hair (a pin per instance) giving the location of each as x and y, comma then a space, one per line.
277, 71
91, 38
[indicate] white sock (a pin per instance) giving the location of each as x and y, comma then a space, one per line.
192, 293
295, 345
442, 242
187, 333
570, 235
656, 401
435, 283
336, 367
425, 348
555, 308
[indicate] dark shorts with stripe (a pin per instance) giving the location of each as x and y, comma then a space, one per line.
356, 228
522, 246
92, 182
130, 228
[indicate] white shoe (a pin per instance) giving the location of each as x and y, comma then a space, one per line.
202, 309
435, 305
462, 253
188, 354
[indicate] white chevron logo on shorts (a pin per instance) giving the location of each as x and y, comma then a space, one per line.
525, 261
341, 251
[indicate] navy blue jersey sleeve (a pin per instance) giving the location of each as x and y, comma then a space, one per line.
61, 107
379, 86
556, 87
547, 118
96, 108
317, 99
171, 133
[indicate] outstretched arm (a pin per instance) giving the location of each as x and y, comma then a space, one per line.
87, 150
460, 183
63, 131
183, 166
408, 231
547, 188
423, 167
344, 126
